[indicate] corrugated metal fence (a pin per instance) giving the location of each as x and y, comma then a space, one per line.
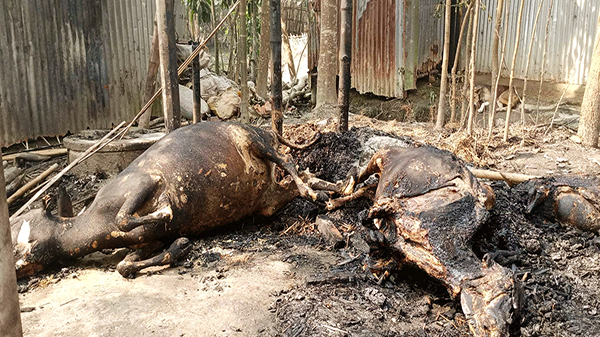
71, 64
570, 39
394, 43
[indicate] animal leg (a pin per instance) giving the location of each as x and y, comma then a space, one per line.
338, 202
319, 184
126, 220
131, 265
375, 165
285, 162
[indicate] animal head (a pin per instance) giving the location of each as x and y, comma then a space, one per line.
537, 194
34, 242
491, 303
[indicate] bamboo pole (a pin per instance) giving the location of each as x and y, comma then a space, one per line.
455, 65
542, 73
514, 178
243, 63
439, 123
10, 315
472, 67
537, 16
465, 101
345, 55
182, 67
91, 150
276, 94
498, 74
512, 71
21, 191
165, 22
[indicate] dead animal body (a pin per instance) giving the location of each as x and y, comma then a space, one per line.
168, 193
427, 208
571, 200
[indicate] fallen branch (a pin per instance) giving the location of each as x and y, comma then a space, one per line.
31, 184
93, 149
513, 178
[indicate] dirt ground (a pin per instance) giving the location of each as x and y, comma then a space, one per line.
278, 277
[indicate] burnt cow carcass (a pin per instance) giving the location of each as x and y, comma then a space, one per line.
427, 208
195, 179
571, 200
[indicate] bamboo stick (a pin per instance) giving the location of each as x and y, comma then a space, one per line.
93, 149
21, 191
496, 175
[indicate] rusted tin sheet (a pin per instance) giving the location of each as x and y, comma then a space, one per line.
68, 65
570, 39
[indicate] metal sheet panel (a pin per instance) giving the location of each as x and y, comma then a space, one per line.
569, 46
70, 64
374, 47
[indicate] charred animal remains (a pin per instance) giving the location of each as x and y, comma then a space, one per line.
168, 193
570, 200
426, 210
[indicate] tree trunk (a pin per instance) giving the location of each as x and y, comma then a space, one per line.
276, 113
243, 64
496, 42
439, 124
589, 124
537, 16
10, 315
472, 69
345, 60
512, 70
149, 88
453, 101
216, 40
165, 19
287, 52
328, 67
265, 51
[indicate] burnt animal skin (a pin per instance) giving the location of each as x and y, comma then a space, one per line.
571, 200
427, 207
195, 179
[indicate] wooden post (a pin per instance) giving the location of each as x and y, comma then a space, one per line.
243, 62
197, 114
276, 114
153, 64
165, 17
10, 315
345, 55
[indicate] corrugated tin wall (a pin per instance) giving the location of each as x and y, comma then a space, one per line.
71, 64
394, 43
570, 39
373, 51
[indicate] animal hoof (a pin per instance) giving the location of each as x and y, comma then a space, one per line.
127, 269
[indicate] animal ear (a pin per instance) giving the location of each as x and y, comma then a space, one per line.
65, 207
